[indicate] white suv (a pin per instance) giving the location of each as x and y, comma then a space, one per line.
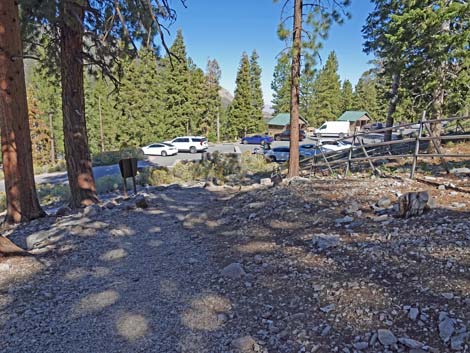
191, 144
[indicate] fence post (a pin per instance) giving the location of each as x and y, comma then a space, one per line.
418, 138
437, 147
367, 155
348, 163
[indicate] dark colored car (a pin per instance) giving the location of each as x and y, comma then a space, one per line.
373, 126
285, 135
257, 139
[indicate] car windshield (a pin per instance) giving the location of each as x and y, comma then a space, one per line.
167, 144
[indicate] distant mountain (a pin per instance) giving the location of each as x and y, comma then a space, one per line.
226, 96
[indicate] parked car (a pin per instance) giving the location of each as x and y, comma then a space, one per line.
310, 149
257, 139
333, 129
191, 144
373, 126
281, 154
160, 149
285, 135
336, 145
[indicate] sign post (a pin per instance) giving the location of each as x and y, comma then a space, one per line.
128, 167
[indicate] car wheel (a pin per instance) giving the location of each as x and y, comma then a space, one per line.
272, 158
278, 138
244, 142
263, 143
164, 154
193, 149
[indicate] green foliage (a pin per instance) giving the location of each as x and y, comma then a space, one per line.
113, 157
347, 96
281, 85
366, 96
256, 91
52, 193
109, 183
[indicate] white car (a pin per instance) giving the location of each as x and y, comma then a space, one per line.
336, 145
160, 149
191, 144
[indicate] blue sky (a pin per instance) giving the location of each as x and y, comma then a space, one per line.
225, 29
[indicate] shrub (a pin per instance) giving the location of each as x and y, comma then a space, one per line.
3, 201
109, 183
49, 193
113, 157
255, 163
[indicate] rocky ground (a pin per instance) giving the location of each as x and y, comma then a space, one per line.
318, 265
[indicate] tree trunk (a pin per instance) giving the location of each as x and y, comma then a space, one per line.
77, 154
295, 92
392, 105
22, 200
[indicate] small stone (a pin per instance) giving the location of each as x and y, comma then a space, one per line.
234, 271
326, 330
328, 308
441, 187
266, 182
413, 314
325, 241
410, 343
384, 202
109, 205
347, 219
446, 329
386, 337
360, 345
457, 341
244, 344
91, 211
258, 259
141, 202
448, 295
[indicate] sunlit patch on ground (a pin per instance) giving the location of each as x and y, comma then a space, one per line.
96, 302
113, 255
132, 326
205, 313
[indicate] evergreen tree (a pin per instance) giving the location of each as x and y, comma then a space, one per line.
241, 120
177, 89
327, 92
214, 109
365, 95
256, 91
347, 96
40, 135
281, 85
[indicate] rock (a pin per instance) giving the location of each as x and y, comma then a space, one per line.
326, 330
446, 328
92, 210
234, 271
141, 202
441, 187
381, 218
347, 219
360, 345
276, 179
410, 343
352, 208
457, 341
386, 337
328, 308
266, 182
37, 238
413, 204
384, 202
244, 344
448, 295
413, 313
63, 211
109, 205
460, 171
325, 241
258, 259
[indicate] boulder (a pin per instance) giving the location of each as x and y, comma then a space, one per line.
234, 271
413, 204
141, 202
244, 344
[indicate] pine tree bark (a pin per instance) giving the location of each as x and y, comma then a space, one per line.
295, 92
392, 105
77, 153
22, 201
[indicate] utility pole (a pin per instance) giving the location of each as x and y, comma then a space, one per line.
101, 125
51, 133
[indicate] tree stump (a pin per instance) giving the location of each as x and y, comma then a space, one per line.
413, 204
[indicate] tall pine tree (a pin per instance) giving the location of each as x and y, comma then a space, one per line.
256, 91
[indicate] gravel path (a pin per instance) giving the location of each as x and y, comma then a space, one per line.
119, 280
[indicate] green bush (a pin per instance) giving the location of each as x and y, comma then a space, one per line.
255, 163
113, 157
3, 201
49, 193
109, 183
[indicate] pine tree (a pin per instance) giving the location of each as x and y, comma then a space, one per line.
365, 95
327, 92
241, 120
256, 90
21, 197
214, 109
347, 96
177, 90
281, 85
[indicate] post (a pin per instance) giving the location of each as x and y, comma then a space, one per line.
348, 164
101, 125
418, 138
367, 155
51, 133
437, 147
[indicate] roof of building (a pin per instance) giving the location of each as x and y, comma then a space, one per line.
282, 119
352, 115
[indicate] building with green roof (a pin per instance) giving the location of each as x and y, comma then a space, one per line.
357, 119
281, 122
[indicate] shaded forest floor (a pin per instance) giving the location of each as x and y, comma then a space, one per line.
316, 266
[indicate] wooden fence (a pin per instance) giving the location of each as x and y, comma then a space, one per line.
413, 145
